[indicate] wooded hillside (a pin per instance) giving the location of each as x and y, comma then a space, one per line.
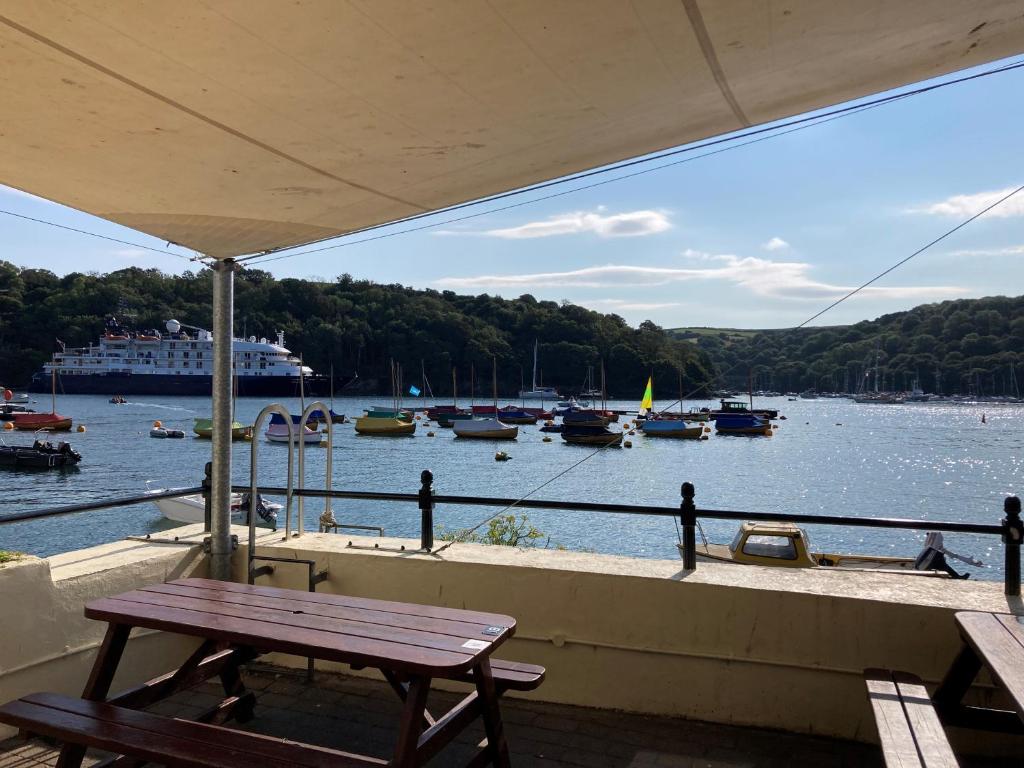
356, 325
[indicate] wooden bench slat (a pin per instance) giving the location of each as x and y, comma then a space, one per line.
514, 675
296, 617
444, 626
433, 611
165, 740
285, 639
898, 747
932, 743
909, 729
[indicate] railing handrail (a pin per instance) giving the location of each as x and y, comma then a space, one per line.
643, 509
123, 501
1011, 528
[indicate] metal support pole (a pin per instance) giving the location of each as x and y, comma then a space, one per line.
220, 491
426, 510
207, 500
688, 516
1013, 532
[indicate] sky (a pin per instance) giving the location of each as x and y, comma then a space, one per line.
761, 236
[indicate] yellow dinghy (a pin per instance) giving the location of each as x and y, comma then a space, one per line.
375, 425
785, 545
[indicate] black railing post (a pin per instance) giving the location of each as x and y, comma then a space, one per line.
1013, 532
688, 514
426, 502
207, 501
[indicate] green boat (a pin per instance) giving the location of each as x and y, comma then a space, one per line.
204, 428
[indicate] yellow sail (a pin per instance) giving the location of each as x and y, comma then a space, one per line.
647, 403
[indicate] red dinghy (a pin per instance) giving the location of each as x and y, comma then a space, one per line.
36, 421
52, 421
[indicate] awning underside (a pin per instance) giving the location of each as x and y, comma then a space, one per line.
238, 126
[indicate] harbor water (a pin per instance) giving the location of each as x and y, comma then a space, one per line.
829, 456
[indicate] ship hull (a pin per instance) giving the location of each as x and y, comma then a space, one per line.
171, 385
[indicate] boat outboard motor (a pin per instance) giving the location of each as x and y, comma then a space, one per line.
266, 515
932, 559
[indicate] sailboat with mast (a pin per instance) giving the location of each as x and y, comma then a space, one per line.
538, 392
488, 427
672, 425
52, 421
388, 423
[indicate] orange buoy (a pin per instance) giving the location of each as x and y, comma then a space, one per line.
8, 425
157, 424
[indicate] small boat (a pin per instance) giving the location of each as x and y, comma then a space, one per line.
51, 421
743, 424
321, 418
118, 400
785, 545
34, 422
676, 428
591, 435
447, 419
204, 428
42, 454
192, 509
485, 429
488, 427
280, 432
512, 415
13, 398
378, 412
162, 433
584, 418
736, 407
369, 424
535, 392
8, 412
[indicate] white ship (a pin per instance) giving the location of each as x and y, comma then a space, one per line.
178, 361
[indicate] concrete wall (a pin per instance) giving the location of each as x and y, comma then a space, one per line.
47, 644
769, 647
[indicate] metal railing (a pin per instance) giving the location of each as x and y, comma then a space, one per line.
1010, 528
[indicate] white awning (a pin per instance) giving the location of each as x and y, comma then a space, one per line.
235, 126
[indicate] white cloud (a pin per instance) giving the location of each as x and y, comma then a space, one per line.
775, 244
1013, 250
963, 206
788, 280
627, 306
630, 224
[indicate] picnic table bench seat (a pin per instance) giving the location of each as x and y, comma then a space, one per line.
165, 740
908, 726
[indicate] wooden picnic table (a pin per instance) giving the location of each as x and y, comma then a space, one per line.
410, 644
994, 641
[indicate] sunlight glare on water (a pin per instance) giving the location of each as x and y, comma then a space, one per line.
830, 456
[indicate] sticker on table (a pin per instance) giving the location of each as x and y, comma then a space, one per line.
476, 645
493, 631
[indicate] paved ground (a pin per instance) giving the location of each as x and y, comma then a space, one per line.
361, 715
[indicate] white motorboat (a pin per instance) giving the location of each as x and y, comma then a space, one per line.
192, 509
279, 433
